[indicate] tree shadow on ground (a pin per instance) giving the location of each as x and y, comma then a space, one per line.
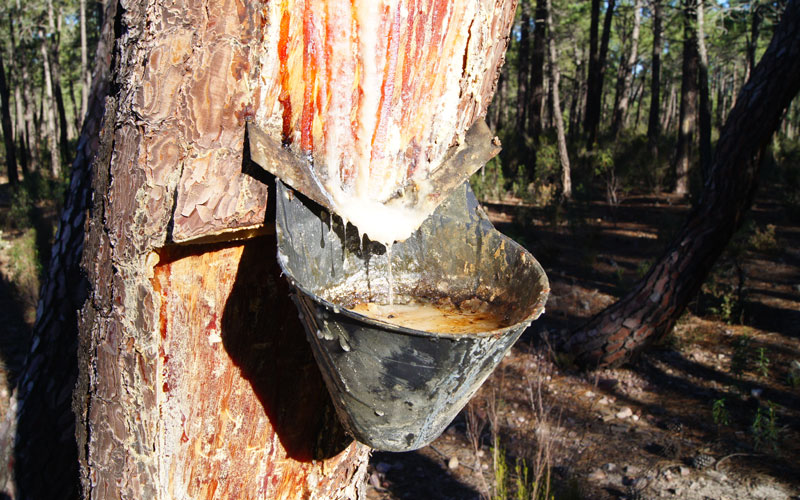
413, 475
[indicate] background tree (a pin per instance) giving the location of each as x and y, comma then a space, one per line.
654, 304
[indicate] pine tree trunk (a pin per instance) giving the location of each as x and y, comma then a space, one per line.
687, 115
704, 114
627, 70
524, 66
555, 77
86, 77
50, 110
8, 132
594, 95
654, 119
655, 303
537, 93
55, 75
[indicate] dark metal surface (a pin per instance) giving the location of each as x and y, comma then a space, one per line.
396, 388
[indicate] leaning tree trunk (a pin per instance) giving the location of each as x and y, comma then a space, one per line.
656, 302
687, 116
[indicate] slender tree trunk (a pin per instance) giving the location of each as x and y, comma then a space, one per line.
594, 67
537, 92
8, 132
594, 96
49, 110
752, 41
627, 71
721, 92
524, 66
704, 116
55, 75
578, 92
86, 77
654, 120
652, 307
555, 77
688, 108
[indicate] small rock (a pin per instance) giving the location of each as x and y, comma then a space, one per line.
684, 471
609, 467
631, 470
588, 394
635, 418
597, 475
485, 466
625, 412
452, 464
383, 467
480, 453
572, 434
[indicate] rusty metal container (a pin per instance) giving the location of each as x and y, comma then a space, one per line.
397, 388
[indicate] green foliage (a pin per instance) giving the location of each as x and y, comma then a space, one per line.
762, 362
720, 413
742, 354
764, 240
489, 182
764, 428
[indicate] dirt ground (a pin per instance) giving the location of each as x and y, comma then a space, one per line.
633, 432
712, 413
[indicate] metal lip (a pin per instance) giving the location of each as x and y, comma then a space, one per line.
538, 310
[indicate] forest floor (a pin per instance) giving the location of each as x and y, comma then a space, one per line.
725, 384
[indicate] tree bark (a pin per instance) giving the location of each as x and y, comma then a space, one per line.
704, 114
655, 303
8, 132
626, 70
555, 77
46, 428
654, 120
687, 115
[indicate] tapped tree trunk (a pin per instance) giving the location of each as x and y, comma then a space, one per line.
687, 115
194, 378
655, 303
